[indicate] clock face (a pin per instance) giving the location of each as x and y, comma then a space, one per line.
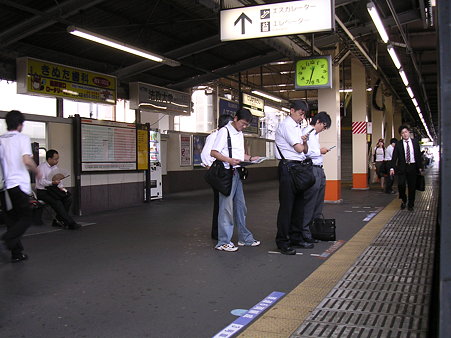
313, 73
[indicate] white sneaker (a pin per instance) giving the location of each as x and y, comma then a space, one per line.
254, 243
230, 247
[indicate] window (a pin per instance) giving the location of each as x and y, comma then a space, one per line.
27, 104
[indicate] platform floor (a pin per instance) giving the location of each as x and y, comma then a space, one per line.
151, 271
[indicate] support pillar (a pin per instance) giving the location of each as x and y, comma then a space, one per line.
329, 101
397, 119
359, 114
377, 117
390, 131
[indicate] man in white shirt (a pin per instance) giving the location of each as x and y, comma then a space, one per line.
16, 158
50, 189
314, 197
233, 207
388, 157
291, 147
207, 160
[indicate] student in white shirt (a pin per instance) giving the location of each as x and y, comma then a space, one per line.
388, 157
207, 160
314, 197
16, 158
232, 208
291, 147
51, 191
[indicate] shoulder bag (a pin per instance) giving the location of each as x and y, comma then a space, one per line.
301, 174
323, 229
218, 176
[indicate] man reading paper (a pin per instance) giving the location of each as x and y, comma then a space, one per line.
50, 189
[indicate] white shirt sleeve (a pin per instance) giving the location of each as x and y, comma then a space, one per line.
220, 141
205, 156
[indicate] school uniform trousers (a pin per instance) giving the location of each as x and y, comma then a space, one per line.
314, 200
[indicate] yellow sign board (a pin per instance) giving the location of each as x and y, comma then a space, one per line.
37, 77
143, 147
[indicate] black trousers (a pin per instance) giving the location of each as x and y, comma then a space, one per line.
60, 205
18, 219
291, 210
214, 221
409, 178
389, 183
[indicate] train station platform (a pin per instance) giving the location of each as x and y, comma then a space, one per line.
151, 271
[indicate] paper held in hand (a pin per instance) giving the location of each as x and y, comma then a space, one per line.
246, 163
57, 174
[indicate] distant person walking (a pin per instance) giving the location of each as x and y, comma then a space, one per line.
378, 160
388, 157
16, 158
207, 160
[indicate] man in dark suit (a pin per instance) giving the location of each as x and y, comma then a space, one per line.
406, 163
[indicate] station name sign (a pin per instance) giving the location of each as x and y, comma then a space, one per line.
285, 18
159, 99
43, 78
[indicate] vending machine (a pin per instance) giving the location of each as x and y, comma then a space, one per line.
155, 165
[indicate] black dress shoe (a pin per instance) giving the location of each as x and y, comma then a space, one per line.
303, 245
287, 251
311, 240
74, 226
403, 206
57, 224
19, 258
410, 208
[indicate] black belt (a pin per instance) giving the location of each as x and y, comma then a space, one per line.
410, 163
305, 162
318, 165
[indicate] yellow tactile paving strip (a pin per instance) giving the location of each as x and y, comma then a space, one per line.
286, 316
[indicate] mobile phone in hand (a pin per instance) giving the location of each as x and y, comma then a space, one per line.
331, 148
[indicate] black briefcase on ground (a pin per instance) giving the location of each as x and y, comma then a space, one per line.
421, 183
323, 229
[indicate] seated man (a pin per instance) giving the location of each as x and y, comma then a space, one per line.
50, 189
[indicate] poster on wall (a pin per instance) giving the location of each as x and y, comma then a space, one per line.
108, 146
185, 150
198, 145
142, 143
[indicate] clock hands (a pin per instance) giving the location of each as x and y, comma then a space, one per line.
313, 69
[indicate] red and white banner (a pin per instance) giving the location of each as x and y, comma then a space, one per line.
359, 127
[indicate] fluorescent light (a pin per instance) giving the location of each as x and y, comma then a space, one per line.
394, 56
409, 90
285, 109
266, 95
377, 21
404, 77
119, 45
415, 102
418, 109
345, 90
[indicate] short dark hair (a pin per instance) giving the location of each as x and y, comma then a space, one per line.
14, 119
244, 114
403, 126
50, 153
322, 117
393, 140
299, 105
224, 119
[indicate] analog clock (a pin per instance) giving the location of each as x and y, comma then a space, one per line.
313, 72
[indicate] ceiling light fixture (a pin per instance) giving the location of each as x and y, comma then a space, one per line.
377, 21
394, 56
257, 92
415, 102
409, 90
404, 77
120, 45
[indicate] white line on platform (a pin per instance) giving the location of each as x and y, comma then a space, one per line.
278, 252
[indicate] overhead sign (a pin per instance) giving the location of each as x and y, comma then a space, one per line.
42, 78
159, 99
285, 18
254, 104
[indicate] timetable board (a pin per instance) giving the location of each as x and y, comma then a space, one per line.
108, 146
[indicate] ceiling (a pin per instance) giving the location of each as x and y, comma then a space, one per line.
188, 31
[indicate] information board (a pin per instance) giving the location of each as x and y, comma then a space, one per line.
108, 146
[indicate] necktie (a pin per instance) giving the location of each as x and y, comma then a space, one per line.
407, 152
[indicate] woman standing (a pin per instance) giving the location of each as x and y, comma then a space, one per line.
378, 159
